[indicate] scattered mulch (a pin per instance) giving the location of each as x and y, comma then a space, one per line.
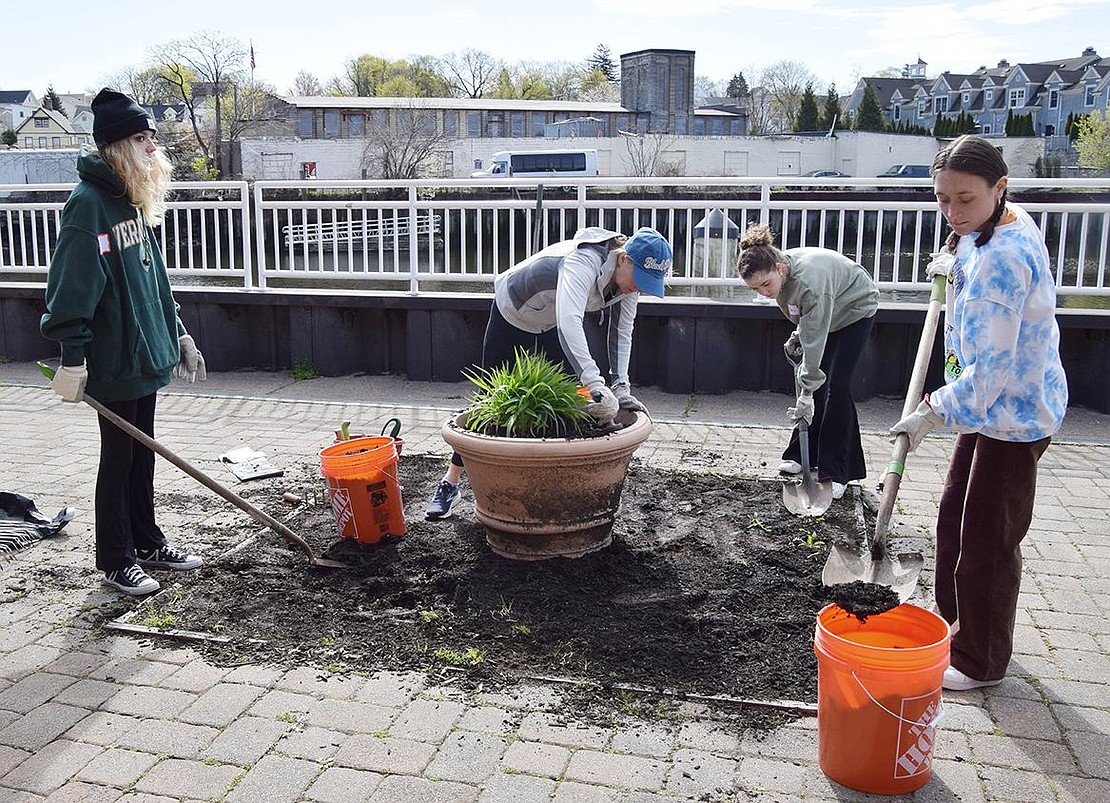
709, 588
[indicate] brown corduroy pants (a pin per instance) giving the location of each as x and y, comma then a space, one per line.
985, 512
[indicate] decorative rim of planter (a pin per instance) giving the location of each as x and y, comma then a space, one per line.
512, 480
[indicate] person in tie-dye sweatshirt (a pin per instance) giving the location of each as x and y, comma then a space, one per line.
1005, 392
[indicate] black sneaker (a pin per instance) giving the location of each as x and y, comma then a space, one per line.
132, 580
167, 557
446, 497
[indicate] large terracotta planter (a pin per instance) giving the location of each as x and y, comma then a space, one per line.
543, 498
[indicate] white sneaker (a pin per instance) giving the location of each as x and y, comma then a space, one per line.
838, 489
955, 680
790, 467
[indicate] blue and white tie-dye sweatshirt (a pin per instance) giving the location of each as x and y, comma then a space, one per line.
1002, 368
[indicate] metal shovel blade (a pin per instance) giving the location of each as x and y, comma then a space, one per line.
807, 496
899, 572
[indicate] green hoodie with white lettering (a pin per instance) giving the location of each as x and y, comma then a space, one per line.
108, 299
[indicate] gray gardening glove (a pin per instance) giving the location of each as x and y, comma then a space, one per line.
940, 264
626, 400
918, 424
191, 364
604, 407
69, 382
802, 409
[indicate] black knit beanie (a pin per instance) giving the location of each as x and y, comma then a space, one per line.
116, 116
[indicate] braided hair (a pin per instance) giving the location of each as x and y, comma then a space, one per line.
977, 156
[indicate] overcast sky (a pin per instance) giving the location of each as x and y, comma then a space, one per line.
76, 45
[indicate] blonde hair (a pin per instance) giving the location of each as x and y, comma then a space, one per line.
757, 254
145, 178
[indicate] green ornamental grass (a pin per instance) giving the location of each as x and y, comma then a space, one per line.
532, 397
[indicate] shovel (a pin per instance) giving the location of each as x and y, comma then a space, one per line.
809, 497
205, 480
876, 565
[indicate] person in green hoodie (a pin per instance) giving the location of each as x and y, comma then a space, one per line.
832, 302
109, 306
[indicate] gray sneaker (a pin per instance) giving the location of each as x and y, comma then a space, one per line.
446, 497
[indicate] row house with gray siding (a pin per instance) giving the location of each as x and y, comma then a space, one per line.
1048, 91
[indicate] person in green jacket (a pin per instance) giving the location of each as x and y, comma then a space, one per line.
109, 306
832, 302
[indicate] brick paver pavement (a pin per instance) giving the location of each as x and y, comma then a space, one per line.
93, 715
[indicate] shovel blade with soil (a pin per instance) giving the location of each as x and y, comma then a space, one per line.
875, 564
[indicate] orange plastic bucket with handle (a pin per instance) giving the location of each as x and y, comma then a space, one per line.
362, 484
879, 696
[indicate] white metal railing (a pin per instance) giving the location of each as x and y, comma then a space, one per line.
457, 235
206, 236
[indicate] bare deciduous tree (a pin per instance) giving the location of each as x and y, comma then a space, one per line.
470, 73
306, 85
406, 147
646, 153
214, 62
144, 84
783, 83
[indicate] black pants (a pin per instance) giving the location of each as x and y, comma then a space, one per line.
985, 512
125, 487
834, 440
503, 339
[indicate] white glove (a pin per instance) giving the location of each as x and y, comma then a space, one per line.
191, 364
604, 407
793, 346
940, 264
918, 424
802, 409
69, 382
626, 400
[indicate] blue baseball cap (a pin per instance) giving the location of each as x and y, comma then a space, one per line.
651, 260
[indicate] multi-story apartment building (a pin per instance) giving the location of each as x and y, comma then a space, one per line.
1049, 92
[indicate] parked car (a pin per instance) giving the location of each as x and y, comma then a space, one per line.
905, 171
826, 174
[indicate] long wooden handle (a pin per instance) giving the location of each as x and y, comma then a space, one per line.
897, 464
192, 471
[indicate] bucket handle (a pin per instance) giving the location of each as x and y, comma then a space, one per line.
930, 724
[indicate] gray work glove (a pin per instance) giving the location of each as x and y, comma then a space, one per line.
793, 347
918, 424
604, 407
69, 382
802, 409
626, 400
940, 264
191, 364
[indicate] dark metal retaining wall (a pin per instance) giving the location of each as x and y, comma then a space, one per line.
681, 347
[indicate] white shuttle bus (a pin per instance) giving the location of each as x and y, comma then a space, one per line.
541, 164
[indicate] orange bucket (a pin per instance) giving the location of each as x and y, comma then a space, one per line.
878, 696
363, 488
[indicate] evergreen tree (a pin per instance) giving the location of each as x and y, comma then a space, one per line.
870, 116
9, 137
808, 117
602, 60
831, 117
51, 101
738, 87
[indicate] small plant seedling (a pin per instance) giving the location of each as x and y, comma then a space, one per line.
161, 621
756, 524
471, 656
520, 629
427, 617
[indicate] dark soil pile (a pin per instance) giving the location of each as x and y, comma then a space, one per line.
710, 587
